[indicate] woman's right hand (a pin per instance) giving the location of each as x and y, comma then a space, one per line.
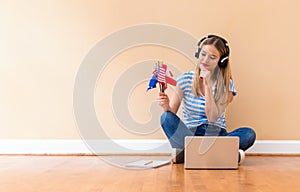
164, 101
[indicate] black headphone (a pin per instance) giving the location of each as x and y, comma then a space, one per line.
224, 59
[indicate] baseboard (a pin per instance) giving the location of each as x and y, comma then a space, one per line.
92, 147
277, 147
126, 147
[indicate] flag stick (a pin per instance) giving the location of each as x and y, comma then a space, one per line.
161, 87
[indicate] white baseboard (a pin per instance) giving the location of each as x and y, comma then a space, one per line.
99, 147
288, 147
129, 147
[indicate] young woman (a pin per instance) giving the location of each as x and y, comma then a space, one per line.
204, 93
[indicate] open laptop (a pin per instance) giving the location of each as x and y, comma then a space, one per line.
211, 152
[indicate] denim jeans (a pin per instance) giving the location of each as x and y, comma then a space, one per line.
176, 131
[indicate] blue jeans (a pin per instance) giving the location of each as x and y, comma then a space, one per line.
176, 131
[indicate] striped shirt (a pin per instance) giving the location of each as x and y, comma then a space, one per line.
193, 107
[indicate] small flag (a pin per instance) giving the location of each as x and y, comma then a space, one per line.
169, 78
152, 83
163, 76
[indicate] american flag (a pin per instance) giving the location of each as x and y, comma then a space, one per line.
161, 78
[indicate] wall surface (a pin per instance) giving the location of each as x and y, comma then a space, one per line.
43, 44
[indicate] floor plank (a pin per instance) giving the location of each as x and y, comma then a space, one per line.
92, 173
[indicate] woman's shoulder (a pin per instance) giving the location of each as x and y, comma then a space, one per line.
188, 74
185, 80
186, 77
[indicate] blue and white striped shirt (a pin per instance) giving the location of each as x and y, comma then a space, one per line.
193, 107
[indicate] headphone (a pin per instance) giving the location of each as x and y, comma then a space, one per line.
224, 59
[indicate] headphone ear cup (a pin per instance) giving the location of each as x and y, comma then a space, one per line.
197, 53
223, 62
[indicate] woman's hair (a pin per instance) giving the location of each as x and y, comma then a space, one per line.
222, 74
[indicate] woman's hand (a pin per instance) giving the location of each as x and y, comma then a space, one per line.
164, 101
205, 77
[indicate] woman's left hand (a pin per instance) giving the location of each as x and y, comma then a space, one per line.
205, 76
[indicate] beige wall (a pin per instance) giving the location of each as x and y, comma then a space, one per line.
43, 44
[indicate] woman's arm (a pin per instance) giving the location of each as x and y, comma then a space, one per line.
213, 110
173, 104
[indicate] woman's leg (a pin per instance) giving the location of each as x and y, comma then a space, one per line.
210, 130
247, 137
174, 129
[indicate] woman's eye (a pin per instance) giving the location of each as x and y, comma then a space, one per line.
203, 54
212, 58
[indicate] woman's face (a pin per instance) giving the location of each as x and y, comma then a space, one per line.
209, 57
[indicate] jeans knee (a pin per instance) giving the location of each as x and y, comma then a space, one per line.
169, 123
163, 117
166, 117
250, 136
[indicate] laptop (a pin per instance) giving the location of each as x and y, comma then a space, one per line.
209, 152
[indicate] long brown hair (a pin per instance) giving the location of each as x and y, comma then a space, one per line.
222, 74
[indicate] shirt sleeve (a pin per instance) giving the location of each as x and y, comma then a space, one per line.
231, 88
185, 81
180, 81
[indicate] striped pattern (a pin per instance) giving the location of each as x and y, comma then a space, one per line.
161, 77
193, 107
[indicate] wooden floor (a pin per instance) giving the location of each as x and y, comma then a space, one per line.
91, 173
